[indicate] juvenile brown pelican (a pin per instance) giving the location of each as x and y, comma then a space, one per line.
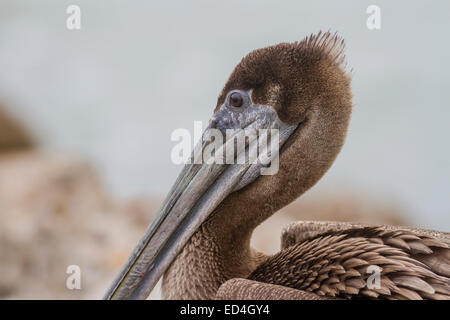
200, 241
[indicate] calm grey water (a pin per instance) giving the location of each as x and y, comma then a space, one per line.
116, 89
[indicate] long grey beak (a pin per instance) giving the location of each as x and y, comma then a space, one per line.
199, 189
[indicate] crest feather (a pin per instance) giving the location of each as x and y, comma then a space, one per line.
328, 45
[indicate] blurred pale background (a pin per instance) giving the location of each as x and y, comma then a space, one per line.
112, 92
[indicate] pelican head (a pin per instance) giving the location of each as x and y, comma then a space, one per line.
302, 91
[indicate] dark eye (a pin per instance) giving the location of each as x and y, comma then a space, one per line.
236, 100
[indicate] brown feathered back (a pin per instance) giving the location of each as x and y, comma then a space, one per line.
413, 263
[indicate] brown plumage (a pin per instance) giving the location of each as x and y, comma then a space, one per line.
335, 263
291, 77
309, 79
302, 81
307, 85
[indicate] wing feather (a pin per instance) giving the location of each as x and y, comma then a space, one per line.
335, 260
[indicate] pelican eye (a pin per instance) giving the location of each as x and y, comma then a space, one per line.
236, 100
